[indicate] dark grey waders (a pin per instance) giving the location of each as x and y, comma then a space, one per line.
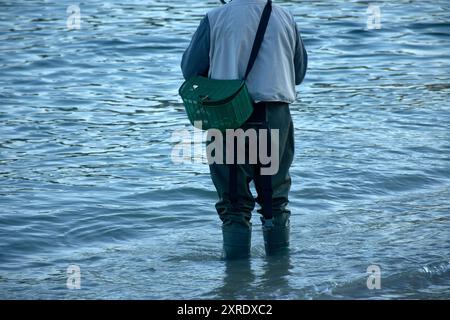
232, 180
236, 200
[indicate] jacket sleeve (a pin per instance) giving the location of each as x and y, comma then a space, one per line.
195, 59
300, 58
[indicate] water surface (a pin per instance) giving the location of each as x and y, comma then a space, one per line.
86, 177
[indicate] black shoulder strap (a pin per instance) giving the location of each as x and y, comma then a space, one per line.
259, 36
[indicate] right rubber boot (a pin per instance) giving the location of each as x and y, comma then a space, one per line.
276, 236
236, 241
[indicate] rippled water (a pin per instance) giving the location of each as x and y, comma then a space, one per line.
86, 120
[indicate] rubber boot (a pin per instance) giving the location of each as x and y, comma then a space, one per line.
276, 237
236, 241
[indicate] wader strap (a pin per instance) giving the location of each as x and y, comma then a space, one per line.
266, 180
233, 177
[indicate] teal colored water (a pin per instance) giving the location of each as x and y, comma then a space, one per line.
86, 177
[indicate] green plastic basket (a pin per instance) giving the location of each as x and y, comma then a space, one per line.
218, 104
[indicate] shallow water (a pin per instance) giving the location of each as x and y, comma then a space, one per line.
86, 177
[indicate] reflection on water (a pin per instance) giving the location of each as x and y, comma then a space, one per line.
237, 280
240, 281
86, 120
275, 280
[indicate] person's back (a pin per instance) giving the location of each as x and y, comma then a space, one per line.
232, 30
220, 49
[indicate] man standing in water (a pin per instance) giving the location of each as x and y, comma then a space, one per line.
220, 49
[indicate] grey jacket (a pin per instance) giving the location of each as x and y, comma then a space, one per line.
221, 46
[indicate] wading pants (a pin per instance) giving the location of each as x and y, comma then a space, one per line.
278, 117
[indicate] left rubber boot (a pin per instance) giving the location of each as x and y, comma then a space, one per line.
236, 241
